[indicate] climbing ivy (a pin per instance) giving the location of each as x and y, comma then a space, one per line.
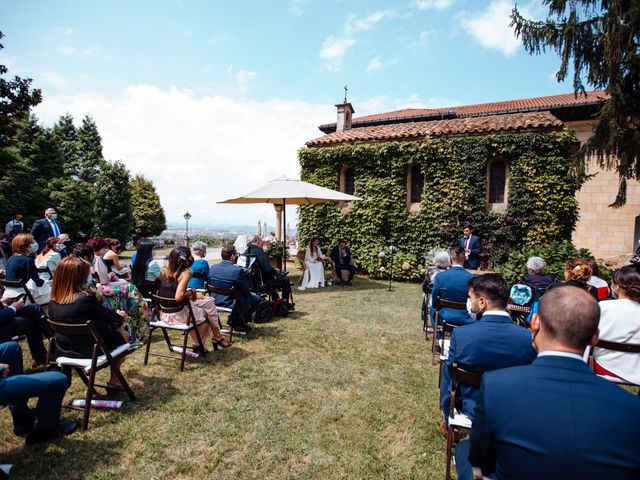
541, 205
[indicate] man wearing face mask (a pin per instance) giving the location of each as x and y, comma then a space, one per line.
555, 419
46, 227
492, 342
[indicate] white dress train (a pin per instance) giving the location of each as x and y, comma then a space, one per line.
313, 276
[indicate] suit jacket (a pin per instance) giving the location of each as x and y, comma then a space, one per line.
42, 231
475, 248
555, 419
451, 285
335, 255
226, 275
492, 342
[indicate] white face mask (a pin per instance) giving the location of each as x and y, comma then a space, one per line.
34, 247
473, 315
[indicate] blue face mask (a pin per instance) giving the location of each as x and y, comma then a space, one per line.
54, 216
34, 247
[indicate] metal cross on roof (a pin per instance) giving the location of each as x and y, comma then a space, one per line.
345, 94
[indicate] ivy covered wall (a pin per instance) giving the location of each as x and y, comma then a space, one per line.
541, 204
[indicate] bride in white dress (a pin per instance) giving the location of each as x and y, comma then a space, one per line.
314, 261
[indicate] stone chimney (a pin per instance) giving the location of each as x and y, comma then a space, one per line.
345, 111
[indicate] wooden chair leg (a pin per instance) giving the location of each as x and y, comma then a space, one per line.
448, 453
123, 382
87, 401
85, 380
184, 350
148, 346
167, 339
433, 346
200, 342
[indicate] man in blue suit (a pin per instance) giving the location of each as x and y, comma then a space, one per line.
452, 285
471, 246
555, 419
45, 228
492, 342
227, 274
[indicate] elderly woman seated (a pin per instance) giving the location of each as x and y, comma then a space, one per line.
200, 267
535, 277
442, 262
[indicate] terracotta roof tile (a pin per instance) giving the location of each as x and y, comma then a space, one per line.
457, 126
509, 106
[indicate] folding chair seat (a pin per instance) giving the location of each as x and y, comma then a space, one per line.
87, 368
444, 342
170, 305
457, 420
440, 303
633, 348
45, 270
18, 285
229, 311
519, 313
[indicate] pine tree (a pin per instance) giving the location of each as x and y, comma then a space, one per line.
599, 39
148, 215
90, 157
113, 212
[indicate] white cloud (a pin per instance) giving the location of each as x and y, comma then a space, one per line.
199, 149
433, 4
295, 7
52, 81
355, 24
245, 75
333, 51
491, 27
374, 65
66, 50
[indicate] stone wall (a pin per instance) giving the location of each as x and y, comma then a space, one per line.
607, 232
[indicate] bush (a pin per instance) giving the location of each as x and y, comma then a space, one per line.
400, 266
555, 254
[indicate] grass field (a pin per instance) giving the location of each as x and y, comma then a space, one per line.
341, 389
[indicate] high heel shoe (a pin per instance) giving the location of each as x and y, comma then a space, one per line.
220, 342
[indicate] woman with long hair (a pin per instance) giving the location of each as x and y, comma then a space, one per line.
144, 266
620, 322
111, 258
314, 263
173, 284
71, 303
50, 257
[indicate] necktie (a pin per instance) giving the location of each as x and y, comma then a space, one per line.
56, 230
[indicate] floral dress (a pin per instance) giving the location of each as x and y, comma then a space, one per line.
127, 298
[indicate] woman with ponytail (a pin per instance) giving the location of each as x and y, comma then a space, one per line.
173, 284
620, 322
577, 273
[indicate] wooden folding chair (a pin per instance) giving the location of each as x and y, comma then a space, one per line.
440, 303
457, 420
444, 342
170, 305
19, 285
45, 270
426, 324
617, 347
148, 288
101, 358
230, 312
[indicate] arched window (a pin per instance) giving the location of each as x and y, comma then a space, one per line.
497, 181
348, 181
416, 184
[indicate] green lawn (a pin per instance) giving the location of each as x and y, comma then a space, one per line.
341, 389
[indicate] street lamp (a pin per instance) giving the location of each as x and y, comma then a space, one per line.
187, 216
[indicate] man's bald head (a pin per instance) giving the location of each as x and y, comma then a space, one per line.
569, 317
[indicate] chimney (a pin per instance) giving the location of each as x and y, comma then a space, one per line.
345, 111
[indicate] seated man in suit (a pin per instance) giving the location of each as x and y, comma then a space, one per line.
452, 285
271, 276
555, 419
341, 257
492, 342
16, 389
45, 228
227, 274
471, 246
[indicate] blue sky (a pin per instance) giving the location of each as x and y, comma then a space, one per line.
212, 99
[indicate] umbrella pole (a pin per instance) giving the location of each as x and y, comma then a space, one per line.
284, 235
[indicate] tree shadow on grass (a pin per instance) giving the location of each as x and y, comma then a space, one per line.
75, 456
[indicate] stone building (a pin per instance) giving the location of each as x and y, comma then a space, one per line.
607, 232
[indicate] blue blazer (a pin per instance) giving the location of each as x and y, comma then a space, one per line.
42, 231
475, 248
226, 275
492, 342
451, 285
555, 419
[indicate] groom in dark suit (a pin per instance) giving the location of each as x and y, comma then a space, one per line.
341, 256
555, 419
471, 246
45, 228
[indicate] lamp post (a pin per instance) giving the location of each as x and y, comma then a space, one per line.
187, 216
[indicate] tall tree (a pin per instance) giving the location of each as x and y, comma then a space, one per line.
89, 151
16, 99
148, 215
74, 196
599, 39
113, 211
